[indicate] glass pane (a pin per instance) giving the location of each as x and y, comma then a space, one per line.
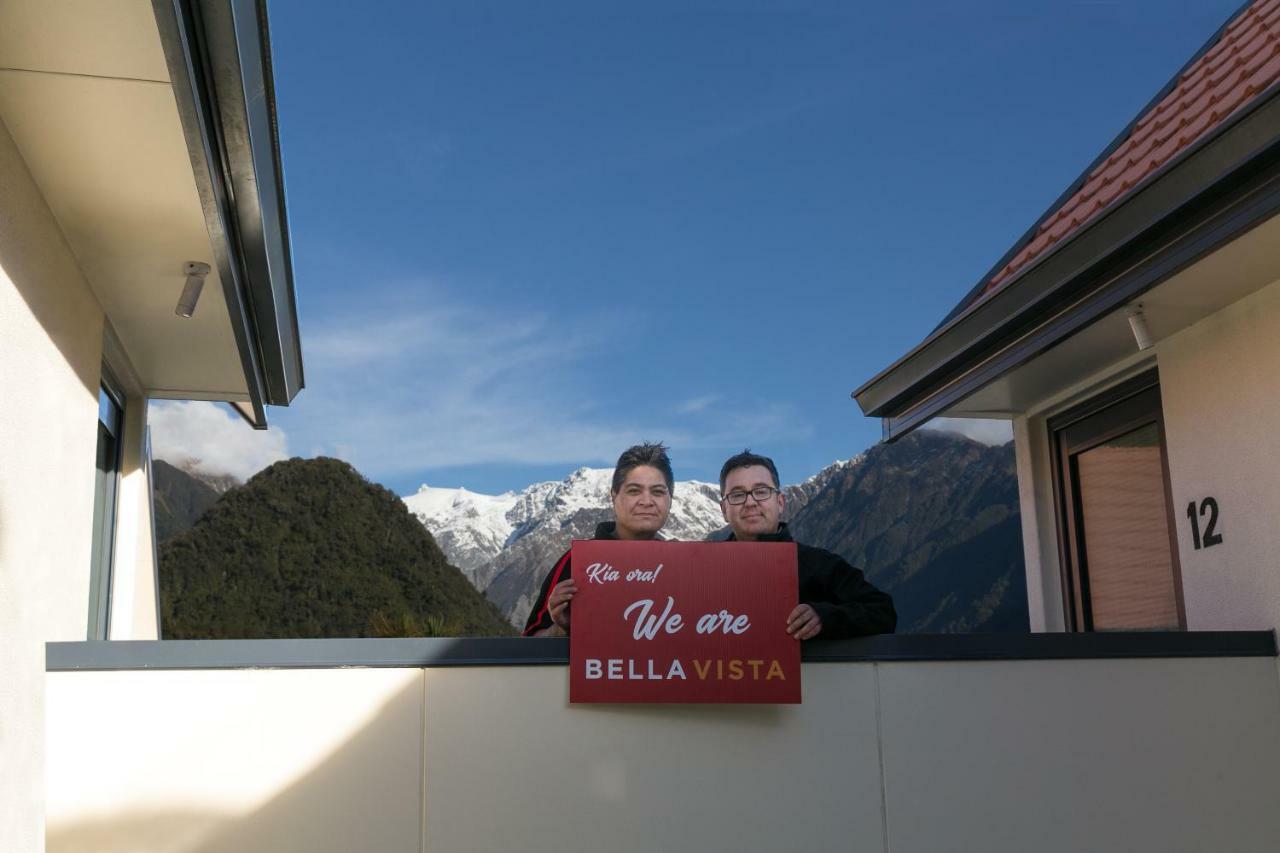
1126, 533
108, 411
104, 515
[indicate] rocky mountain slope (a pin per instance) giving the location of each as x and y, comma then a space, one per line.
933, 519
179, 499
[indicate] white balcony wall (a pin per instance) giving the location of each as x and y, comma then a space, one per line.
306, 760
1045, 755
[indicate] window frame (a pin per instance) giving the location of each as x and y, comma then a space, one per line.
106, 496
1118, 410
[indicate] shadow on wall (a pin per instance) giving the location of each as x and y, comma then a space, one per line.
141, 832
35, 257
44, 272
366, 795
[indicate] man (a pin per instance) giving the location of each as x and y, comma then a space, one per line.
641, 493
835, 599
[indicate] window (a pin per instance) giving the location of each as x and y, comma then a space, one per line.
107, 475
1115, 525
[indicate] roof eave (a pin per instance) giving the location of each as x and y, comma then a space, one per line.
1202, 199
219, 64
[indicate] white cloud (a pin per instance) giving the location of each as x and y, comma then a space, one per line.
698, 404
985, 431
398, 390
209, 438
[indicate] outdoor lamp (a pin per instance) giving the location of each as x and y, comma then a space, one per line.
196, 272
1138, 323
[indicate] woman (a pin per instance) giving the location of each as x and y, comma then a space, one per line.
641, 492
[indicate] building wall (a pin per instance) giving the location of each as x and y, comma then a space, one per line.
1039, 534
50, 356
1220, 388
1046, 755
1220, 392
134, 601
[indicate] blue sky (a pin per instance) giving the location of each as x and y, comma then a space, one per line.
528, 234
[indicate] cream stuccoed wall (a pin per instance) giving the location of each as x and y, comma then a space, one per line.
50, 355
1045, 755
242, 760
1220, 388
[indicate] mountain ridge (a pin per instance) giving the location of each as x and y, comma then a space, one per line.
915, 506
474, 529
932, 519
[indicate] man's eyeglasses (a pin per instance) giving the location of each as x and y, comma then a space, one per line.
759, 494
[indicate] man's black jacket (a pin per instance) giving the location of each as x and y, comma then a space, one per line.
846, 602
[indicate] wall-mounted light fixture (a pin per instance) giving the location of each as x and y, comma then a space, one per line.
196, 272
1138, 323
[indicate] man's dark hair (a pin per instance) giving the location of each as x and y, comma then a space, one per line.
653, 455
747, 459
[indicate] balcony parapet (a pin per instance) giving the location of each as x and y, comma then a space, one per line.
516, 651
1048, 742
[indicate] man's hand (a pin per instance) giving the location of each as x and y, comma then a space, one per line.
804, 623
558, 603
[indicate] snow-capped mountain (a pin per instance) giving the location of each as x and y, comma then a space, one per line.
505, 543
468, 526
474, 529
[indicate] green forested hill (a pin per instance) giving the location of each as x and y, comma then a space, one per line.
309, 548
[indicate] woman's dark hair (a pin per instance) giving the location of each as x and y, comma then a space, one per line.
653, 455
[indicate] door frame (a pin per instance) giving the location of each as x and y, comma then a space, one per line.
1120, 409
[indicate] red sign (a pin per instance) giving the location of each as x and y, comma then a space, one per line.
683, 622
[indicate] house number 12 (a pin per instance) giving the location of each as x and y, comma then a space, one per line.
1209, 508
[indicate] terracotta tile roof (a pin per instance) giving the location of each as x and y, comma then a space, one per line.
1243, 62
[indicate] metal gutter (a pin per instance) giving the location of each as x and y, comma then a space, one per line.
219, 64
519, 651
1257, 207
1168, 211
